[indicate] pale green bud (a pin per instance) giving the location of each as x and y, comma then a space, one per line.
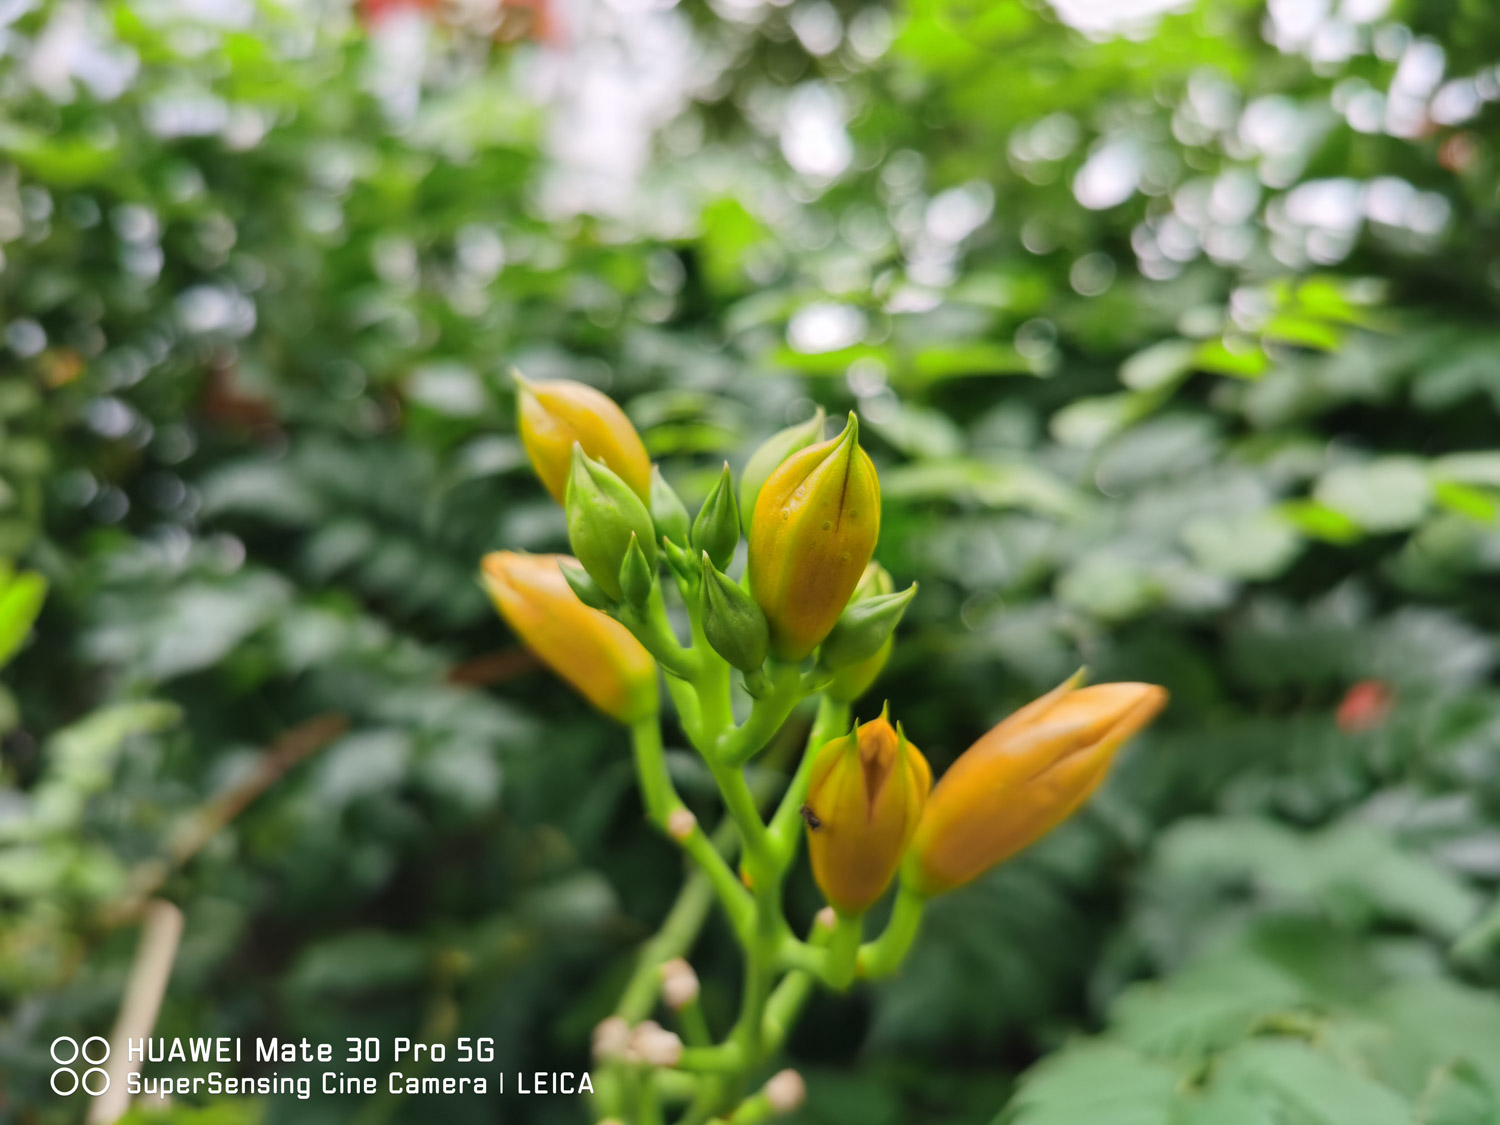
668, 512
864, 627
637, 576
733, 623
603, 513
717, 528
764, 461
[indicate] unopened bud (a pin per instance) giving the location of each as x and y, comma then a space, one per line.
668, 512
765, 460
683, 561
611, 1039
654, 1045
585, 587
826, 918
603, 514
679, 984
732, 622
637, 576
864, 627
716, 531
680, 824
786, 1091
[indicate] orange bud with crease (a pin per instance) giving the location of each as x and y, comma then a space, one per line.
864, 799
592, 651
555, 415
1023, 779
816, 521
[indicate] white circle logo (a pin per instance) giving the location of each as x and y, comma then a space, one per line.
66, 1051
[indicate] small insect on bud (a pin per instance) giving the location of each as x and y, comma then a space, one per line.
611, 1039
680, 824
679, 984
786, 1091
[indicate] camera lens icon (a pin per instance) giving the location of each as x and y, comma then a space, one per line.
92, 1052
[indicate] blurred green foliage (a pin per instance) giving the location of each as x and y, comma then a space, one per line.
1176, 347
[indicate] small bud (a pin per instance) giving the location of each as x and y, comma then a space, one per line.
585, 587
603, 514
864, 627
1023, 779
637, 576
815, 526
679, 984
611, 1039
680, 823
683, 562
826, 918
717, 528
765, 460
654, 1045
864, 799
733, 623
786, 1091
876, 580
668, 512
555, 416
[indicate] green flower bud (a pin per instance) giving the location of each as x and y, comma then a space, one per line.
864, 627
876, 580
603, 514
668, 512
764, 461
733, 623
717, 528
682, 561
585, 587
637, 576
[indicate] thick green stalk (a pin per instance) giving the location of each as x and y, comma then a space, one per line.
767, 715
884, 955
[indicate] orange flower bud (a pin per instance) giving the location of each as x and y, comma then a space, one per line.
556, 415
816, 521
864, 799
593, 652
1023, 779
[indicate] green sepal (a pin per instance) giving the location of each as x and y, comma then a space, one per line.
717, 528
668, 512
864, 627
585, 587
734, 625
766, 459
603, 513
637, 576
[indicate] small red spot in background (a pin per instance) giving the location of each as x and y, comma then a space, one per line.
1365, 706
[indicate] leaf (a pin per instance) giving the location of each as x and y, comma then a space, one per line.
1387, 494
1160, 366
20, 601
1093, 1083
949, 361
1259, 545
1245, 360
1311, 1088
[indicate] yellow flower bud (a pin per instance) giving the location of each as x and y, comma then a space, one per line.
816, 521
593, 652
1023, 779
864, 799
556, 415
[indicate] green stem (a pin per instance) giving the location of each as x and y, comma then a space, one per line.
884, 955
662, 801
652, 628
767, 715
693, 1025
843, 951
